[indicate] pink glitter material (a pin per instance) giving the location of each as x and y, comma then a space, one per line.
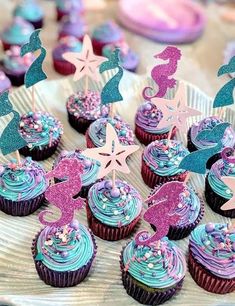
62, 194
161, 215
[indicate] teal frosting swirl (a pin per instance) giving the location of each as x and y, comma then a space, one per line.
108, 32
24, 182
117, 209
40, 129
164, 157
66, 248
29, 10
156, 266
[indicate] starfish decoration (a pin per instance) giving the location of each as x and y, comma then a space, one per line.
230, 182
86, 62
175, 112
112, 156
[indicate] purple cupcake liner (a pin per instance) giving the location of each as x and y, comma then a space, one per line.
21, 208
63, 67
215, 201
79, 124
62, 279
144, 294
41, 154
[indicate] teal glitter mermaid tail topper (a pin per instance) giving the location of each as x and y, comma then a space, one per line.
10, 140
35, 72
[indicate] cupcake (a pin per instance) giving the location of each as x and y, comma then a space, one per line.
146, 121
212, 257
66, 44
5, 83
209, 123
91, 168
129, 59
42, 132
63, 256
190, 211
96, 134
105, 34
66, 7
85, 109
112, 214
17, 33
22, 187
72, 25
152, 274
15, 66
30, 11
160, 162
217, 193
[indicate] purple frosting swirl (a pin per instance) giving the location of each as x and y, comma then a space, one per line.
108, 32
73, 25
66, 44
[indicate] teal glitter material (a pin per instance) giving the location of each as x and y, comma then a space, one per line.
35, 72
10, 140
196, 161
110, 92
225, 95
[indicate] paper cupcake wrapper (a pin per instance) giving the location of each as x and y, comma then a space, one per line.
79, 124
21, 208
62, 279
16, 79
151, 179
41, 154
146, 138
207, 280
63, 67
106, 232
215, 201
37, 24
142, 294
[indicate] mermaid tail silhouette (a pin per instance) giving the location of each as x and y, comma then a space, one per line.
225, 94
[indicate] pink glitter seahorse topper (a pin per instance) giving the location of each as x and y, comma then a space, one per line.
62, 194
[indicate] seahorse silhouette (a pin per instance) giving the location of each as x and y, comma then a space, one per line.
225, 95
62, 194
196, 161
10, 140
110, 92
161, 73
35, 72
161, 214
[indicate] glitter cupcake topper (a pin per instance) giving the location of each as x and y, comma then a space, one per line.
161, 73
62, 194
196, 161
161, 214
85, 62
230, 182
10, 140
112, 156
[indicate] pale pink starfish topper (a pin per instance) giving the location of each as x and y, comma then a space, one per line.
230, 182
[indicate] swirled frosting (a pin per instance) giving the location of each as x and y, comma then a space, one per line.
91, 167
148, 117
66, 248
66, 44
156, 266
5, 83
68, 6
116, 208
213, 246
24, 182
40, 129
209, 123
72, 25
86, 106
97, 131
188, 208
128, 58
29, 10
164, 157
13, 62
108, 32
18, 32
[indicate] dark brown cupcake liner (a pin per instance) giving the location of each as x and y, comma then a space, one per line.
38, 24
146, 138
215, 201
207, 280
16, 79
7, 46
106, 232
40, 154
62, 279
21, 208
79, 124
63, 67
89, 142
144, 294
151, 179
